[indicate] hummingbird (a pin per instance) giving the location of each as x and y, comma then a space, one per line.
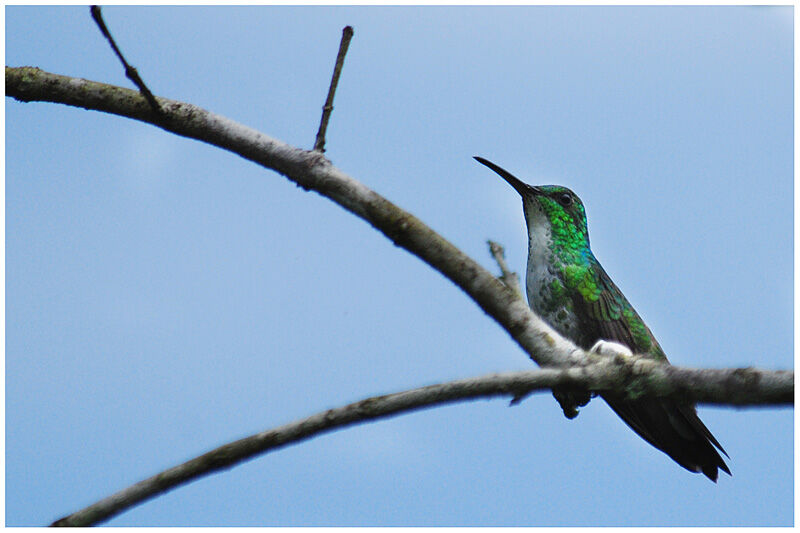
569, 289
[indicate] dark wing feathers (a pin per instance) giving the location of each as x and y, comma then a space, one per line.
676, 430
671, 426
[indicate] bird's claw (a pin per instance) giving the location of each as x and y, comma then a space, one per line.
611, 348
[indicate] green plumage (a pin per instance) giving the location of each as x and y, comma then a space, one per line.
570, 290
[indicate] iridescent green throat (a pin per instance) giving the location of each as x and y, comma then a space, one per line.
569, 244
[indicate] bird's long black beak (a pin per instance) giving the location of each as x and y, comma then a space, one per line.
521, 187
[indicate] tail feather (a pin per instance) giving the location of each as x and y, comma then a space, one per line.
675, 429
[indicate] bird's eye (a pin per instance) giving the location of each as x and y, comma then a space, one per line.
565, 199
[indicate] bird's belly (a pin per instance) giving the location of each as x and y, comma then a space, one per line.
549, 299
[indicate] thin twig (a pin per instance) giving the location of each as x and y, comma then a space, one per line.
633, 374
506, 276
130, 72
347, 34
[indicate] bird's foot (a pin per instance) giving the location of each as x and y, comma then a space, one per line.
571, 400
615, 349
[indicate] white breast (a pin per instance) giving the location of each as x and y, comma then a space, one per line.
540, 276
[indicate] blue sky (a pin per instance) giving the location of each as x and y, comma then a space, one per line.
164, 297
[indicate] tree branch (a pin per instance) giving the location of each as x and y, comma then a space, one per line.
637, 376
312, 171
130, 72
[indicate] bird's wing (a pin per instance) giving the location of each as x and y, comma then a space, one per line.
612, 318
671, 426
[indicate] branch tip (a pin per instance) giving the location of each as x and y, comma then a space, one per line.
327, 109
509, 278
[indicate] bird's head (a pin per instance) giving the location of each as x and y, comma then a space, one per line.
552, 208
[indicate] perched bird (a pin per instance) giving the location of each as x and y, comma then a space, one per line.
569, 289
